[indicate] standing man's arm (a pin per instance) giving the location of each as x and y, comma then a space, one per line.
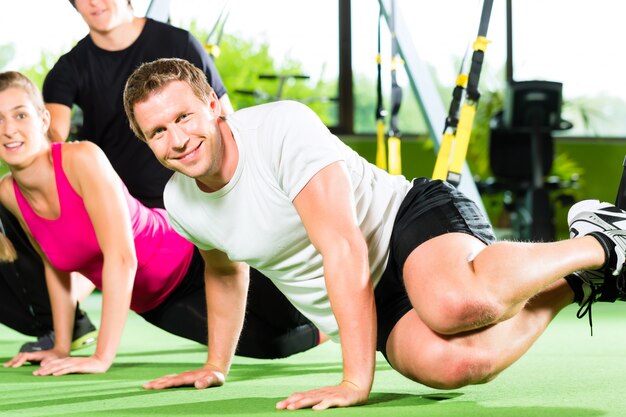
60, 121
226, 289
327, 209
227, 107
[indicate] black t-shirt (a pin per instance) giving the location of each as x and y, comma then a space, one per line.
94, 79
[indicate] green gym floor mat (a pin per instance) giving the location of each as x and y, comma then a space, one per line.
567, 373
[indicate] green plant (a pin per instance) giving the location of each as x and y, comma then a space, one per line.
7, 52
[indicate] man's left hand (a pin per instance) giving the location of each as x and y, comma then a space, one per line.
342, 395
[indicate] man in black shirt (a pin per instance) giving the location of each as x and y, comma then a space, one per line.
92, 76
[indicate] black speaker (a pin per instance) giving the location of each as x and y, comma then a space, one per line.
521, 153
533, 104
510, 151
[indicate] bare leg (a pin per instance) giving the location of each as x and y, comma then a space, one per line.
81, 287
452, 294
477, 356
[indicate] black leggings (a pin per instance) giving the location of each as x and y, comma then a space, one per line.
273, 328
24, 301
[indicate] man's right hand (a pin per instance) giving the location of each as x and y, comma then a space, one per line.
199, 378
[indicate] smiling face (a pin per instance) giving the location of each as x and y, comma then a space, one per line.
23, 127
103, 16
182, 130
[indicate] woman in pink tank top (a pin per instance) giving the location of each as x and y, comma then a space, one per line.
81, 218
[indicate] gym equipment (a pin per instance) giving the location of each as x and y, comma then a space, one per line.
393, 140
458, 126
262, 96
452, 120
426, 93
521, 152
381, 147
213, 39
620, 200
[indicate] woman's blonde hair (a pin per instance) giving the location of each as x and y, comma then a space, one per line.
7, 250
14, 79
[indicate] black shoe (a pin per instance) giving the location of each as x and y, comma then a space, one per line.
45, 342
607, 224
85, 334
595, 286
600, 286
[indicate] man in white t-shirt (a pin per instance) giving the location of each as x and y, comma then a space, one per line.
375, 261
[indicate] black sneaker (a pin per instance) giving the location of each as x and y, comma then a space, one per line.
85, 334
45, 342
596, 286
601, 286
606, 223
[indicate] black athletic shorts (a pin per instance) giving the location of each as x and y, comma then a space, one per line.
430, 209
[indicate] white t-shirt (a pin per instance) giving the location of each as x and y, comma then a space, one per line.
253, 220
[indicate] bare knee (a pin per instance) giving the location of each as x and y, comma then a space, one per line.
441, 362
456, 313
456, 372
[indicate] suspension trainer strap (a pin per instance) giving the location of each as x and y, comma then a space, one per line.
458, 130
620, 201
213, 39
452, 121
381, 146
395, 158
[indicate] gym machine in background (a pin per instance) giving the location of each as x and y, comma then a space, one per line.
521, 153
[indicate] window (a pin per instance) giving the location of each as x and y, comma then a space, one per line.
274, 49
581, 47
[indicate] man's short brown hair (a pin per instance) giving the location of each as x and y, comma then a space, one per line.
153, 76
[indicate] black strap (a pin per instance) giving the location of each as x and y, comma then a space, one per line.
381, 146
620, 201
396, 90
213, 39
479, 53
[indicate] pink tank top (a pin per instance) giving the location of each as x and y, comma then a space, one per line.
69, 242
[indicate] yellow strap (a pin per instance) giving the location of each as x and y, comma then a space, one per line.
213, 50
381, 151
480, 44
463, 131
395, 159
443, 157
461, 80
